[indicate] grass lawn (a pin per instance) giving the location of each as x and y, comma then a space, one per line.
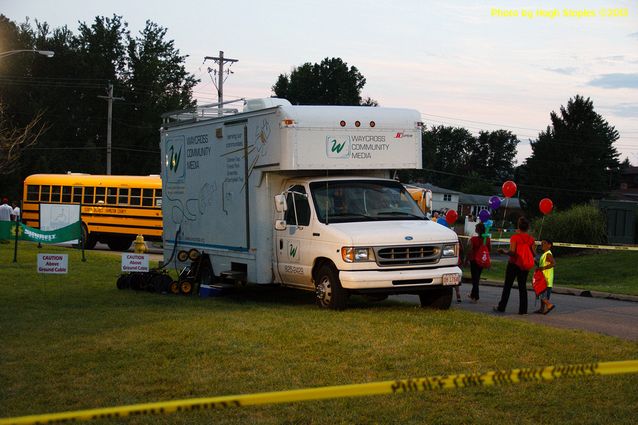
76, 342
605, 271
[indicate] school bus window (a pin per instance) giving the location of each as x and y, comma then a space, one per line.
45, 194
147, 200
55, 193
111, 197
77, 195
66, 194
33, 192
100, 194
135, 196
123, 197
158, 198
88, 195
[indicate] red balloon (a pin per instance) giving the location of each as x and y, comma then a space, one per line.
451, 216
509, 189
546, 205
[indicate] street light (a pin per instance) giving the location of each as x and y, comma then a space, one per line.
47, 53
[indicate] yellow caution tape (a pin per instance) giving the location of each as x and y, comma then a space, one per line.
512, 376
576, 245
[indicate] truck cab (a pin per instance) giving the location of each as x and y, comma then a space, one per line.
344, 235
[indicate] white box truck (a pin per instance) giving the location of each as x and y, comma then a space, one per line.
301, 196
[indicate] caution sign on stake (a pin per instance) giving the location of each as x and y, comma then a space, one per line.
134, 262
53, 263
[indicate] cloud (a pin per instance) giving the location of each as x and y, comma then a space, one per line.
564, 71
629, 110
615, 81
617, 58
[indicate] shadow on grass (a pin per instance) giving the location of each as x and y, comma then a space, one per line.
278, 295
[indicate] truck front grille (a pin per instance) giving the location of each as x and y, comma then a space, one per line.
408, 255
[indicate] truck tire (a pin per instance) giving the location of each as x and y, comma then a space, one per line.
328, 290
438, 298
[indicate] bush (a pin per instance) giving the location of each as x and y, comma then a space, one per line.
582, 224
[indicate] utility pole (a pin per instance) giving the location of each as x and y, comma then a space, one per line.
110, 100
221, 60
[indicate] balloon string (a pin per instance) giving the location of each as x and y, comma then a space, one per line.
541, 231
500, 235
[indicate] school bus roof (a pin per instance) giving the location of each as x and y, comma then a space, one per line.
151, 181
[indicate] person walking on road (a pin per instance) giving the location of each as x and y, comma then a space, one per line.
546, 264
521, 261
476, 260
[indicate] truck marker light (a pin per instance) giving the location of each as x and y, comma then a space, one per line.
357, 123
342, 123
372, 124
288, 123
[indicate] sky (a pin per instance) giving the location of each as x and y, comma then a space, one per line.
482, 65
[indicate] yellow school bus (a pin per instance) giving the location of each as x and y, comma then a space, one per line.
114, 209
423, 197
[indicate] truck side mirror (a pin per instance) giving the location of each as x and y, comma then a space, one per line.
280, 224
280, 203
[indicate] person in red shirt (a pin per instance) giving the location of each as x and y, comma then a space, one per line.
472, 257
520, 241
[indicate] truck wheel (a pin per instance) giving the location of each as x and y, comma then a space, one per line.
328, 289
439, 298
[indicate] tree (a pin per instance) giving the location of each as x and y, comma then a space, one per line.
493, 155
330, 82
574, 159
453, 158
156, 82
147, 70
14, 140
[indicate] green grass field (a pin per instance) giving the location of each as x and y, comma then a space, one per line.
605, 271
76, 342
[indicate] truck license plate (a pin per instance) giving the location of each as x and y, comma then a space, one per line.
450, 279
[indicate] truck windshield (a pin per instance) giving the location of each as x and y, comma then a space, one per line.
363, 200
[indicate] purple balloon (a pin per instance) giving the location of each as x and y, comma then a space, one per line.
495, 202
484, 215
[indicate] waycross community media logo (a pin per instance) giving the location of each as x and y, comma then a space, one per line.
338, 147
175, 163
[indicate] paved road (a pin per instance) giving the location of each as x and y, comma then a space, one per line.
606, 316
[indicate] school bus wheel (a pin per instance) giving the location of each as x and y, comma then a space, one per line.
186, 287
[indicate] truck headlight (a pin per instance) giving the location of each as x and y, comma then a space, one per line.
450, 250
351, 254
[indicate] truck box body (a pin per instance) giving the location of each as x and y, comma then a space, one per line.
221, 177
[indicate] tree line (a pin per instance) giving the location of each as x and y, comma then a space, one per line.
62, 97
53, 116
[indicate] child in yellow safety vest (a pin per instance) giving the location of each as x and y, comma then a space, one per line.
547, 264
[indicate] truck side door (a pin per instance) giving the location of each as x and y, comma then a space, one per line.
294, 259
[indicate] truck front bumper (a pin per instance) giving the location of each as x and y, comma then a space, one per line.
400, 279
